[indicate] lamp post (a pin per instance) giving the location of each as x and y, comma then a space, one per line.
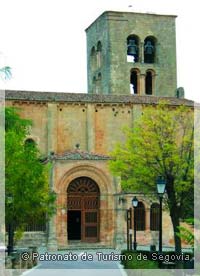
135, 204
160, 183
10, 227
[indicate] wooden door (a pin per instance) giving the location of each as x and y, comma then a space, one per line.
83, 195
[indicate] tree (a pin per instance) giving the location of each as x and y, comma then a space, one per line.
160, 144
27, 195
5, 72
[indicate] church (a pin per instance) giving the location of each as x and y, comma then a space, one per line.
131, 63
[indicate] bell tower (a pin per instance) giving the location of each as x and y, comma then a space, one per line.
132, 53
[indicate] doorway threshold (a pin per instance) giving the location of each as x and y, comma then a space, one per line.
77, 244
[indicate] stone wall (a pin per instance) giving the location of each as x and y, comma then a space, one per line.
95, 122
38, 239
112, 29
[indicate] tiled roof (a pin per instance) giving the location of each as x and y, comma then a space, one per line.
79, 155
90, 98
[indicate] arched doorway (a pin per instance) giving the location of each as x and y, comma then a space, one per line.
83, 210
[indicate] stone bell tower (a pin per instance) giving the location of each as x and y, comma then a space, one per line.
132, 53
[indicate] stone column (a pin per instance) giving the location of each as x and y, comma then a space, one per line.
52, 128
90, 131
157, 52
52, 240
120, 213
142, 84
142, 52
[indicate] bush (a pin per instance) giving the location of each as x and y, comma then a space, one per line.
131, 261
144, 260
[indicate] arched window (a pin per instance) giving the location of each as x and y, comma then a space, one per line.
99, 76
30, 143
149, 83
133, 47
93, 58
140, 217
99, 54
149, 49
98, 84
94, 81
154, 217
134, 81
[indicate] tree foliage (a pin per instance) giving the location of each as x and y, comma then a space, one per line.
27, 195
160, 144
5, 72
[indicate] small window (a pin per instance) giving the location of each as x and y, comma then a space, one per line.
149, 50
94, 80
99, 76
154, 217
133, 48
30, 143
134, 82
149, 83
140, 217
99, 54
93, 58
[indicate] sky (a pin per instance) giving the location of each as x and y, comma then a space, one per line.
44, 41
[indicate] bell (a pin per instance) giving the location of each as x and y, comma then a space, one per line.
132, 48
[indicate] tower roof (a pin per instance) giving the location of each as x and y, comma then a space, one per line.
112, 14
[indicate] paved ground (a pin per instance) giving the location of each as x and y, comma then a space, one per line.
90, 262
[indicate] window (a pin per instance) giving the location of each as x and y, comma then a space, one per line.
30, 143
99, 54
134, 81
140, 217
94, 80
133, 47
148, 83
93, 58
154, 217
149, 49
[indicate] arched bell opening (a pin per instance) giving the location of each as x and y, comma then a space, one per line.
149, 49
133, 47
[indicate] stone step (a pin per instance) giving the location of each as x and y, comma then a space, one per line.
80, 246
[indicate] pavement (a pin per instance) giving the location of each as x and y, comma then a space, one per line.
78, 262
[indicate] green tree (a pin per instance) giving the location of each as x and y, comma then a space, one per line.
5, 72
160, 144
27, 195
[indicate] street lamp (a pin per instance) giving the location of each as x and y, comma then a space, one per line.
161, 183
134, 204
10, 226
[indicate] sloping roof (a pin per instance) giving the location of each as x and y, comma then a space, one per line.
110, 13
89, 98
79, 155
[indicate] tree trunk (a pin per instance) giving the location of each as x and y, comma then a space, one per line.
176, 224
10, 238
174, 212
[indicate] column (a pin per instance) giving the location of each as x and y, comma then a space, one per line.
52, 127
142, 84
90, 128
120, 223
142, 52
52, 240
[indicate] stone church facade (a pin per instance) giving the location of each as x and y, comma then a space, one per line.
131, 64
